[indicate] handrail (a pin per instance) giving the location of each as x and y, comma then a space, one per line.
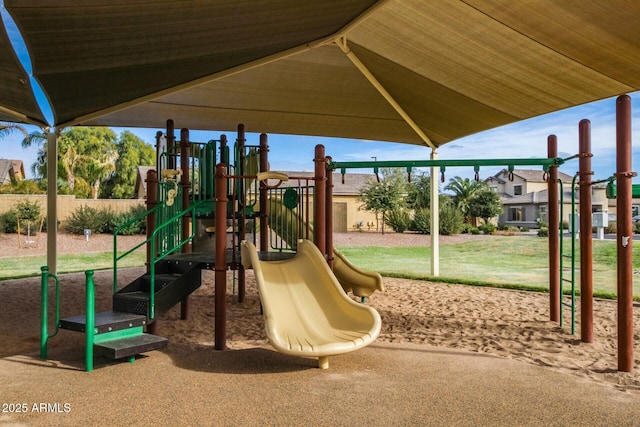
117, 258
154, 257
44, 309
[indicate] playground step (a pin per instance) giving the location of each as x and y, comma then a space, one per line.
136, 302
106, 321
130, 346
162, 280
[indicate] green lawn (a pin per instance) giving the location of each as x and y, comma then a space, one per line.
11, 267
504, 260
508, 261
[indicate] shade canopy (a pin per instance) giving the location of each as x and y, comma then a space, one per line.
412, 71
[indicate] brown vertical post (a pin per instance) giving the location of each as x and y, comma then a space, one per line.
264, 202
152, 201
185, 154
586, 238
220, 309
158, 149
554, 233
319, 203
185, 149
171, 141
239, 217
329, 214
625, 233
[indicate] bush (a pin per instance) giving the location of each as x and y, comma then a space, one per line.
106, 221
611, 228
422, 221
543, 232
450, 220
137, 227
29, 214
399, 220
86, 217
487, 228
467, 228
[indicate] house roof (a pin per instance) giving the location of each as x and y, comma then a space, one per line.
351, 186
532, 175
10, 169
141, 181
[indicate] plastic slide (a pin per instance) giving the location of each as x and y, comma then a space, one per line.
306, 312
361, 283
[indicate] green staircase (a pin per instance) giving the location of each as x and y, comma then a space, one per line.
119, 333
174, 280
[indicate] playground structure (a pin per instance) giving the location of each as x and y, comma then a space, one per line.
248, 199
199, 211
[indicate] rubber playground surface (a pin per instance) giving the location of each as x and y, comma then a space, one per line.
447, 355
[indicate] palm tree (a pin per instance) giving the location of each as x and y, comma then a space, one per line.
464, 190
7, 129
97, 171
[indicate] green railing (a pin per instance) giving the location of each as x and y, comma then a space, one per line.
156, 253
44, 309
90, 319
90, 322
117, 231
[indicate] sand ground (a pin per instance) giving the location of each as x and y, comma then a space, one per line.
447, 355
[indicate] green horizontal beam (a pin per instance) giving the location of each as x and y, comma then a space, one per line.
545, 162
612, 191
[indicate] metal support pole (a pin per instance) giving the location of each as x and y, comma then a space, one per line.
220, 309
264, 202
329, 216
171, 141
185, 148
239, 217
52, 200
555, 299
586, 238
320, 198
435, 218
624, 177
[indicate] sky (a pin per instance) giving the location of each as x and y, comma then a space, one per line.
525, 139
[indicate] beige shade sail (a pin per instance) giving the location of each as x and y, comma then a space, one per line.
413, 71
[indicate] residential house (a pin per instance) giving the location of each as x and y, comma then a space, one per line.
140, 191
525, 201
11, 171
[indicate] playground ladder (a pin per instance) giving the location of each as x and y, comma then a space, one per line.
571, 256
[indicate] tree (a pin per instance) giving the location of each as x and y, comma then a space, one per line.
419, 192
485, 204
132, 152
7, 129
84, 154
384, 196
464, 191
